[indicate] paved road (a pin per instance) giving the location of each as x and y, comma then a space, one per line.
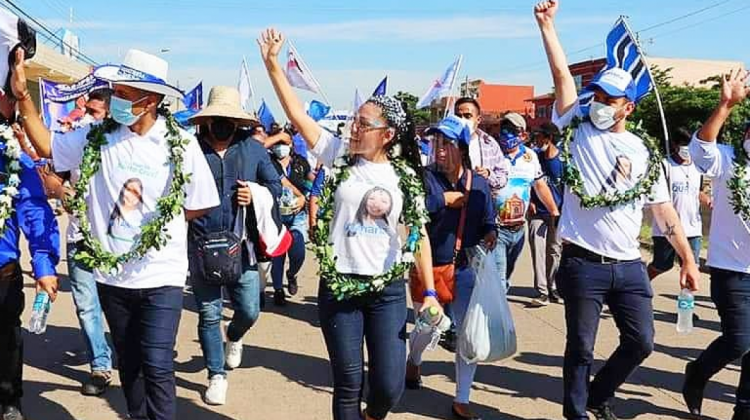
285, 372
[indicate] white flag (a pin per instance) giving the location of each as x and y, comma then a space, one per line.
358, 101
298, 73
245, 87
441, 86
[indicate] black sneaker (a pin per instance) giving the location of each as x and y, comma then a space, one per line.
98, 383
555, 297
541, 301
692, 390
293, 286
603, 412
279, 298
448, 340
12, 412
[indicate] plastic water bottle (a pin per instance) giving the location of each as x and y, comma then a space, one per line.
431, 322
685, 308
287, 201
42, 305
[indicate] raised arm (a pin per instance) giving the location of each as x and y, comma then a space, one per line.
734, 90
270, 43
565, 87
32, 123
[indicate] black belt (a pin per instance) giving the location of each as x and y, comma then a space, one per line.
512, 228
575, 251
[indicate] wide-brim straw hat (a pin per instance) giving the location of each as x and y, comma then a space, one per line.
224, 102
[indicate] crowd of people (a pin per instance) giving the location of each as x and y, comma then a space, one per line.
152, 207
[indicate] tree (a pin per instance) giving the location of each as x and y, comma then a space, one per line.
686, 108
420, 116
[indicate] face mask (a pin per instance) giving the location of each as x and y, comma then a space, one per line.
222, 129
684, 152
122, 110
472, 126
509, 140
544, 148
602, 116
281, 150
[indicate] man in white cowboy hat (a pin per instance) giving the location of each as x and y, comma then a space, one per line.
235, 160
138, 164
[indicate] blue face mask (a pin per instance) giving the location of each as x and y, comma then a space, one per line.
122, 110
509, 140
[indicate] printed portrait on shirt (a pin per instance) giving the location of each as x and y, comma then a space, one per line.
127, 215
621, 176
372, 216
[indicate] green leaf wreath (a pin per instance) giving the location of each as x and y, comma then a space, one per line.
572, 176
414, 216
12, 154
739, 185
154, 233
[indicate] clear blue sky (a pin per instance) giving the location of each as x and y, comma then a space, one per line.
355, 43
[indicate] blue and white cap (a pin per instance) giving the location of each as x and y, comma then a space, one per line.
453, 128
142, 71
615, 82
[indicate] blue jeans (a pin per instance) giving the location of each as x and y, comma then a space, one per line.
89, 312
298, 227
730, 291
381, 320
246, 303
509, 247
144, 326
586, 286
664, 253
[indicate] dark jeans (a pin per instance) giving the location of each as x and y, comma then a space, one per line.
586, 286
730, 291
144, 325
296, 255
380, 320
11, 340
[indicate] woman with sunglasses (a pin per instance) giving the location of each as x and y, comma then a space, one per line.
362, 294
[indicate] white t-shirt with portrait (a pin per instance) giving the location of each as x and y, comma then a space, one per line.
607, 162
122, 197
685, 186
729, 237
364, 230
512, 201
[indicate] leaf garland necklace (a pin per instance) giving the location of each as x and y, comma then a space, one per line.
572, 175
12, 154
414, 216
154, 233
739, 185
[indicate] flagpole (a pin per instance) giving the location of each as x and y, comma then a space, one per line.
453, 86
312, 76
249, 82
656, 89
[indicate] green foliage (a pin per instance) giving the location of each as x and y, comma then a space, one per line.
686, 108
572, 176
154, 233
420, 116
739, 185
414, 216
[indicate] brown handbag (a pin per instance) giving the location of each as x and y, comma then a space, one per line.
443, 275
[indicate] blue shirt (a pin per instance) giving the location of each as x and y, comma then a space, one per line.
245, 159
443, 226
34, 217
553, 174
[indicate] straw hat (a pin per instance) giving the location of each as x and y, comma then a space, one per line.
142, 71
223, 101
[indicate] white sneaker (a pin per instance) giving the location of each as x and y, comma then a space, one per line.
233, 354
216, 394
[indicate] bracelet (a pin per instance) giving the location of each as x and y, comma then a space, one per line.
430, 293
26, 96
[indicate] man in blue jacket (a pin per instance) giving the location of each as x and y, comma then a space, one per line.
235, 160
23, 207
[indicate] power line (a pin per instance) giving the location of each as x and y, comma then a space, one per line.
680, 29
48, 31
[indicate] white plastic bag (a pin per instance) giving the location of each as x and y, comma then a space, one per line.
487, 333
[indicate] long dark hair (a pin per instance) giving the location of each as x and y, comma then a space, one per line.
116, 212
404, 143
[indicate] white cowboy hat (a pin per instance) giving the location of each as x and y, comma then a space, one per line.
142, 71
223, 101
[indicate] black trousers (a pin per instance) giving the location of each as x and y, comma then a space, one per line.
11, 340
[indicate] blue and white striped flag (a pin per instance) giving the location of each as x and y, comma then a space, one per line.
623, 52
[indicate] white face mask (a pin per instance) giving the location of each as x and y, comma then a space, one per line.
281, 150
684, 152
544, 148
602, 115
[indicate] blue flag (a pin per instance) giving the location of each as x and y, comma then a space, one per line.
265, 116
624, 53
318, 110
194, 99
382, 88
183, 116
